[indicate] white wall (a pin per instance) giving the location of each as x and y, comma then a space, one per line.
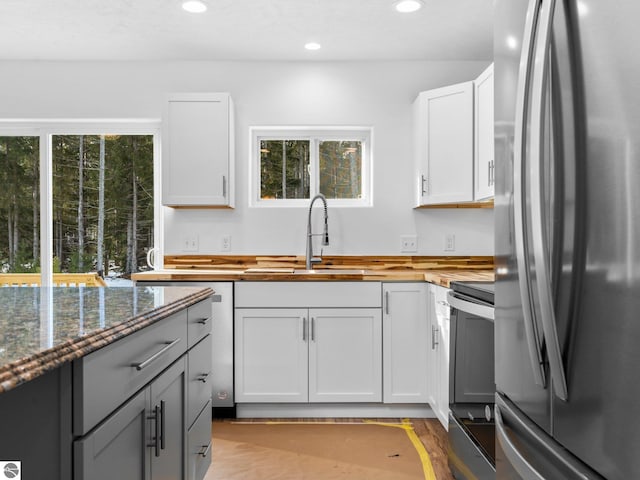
379, 94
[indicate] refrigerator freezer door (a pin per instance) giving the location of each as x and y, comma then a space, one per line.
601, 345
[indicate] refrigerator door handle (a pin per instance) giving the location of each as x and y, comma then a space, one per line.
517, 460
567, 466
534, 347
540, 248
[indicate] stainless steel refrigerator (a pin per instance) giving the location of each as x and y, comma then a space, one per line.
567, 210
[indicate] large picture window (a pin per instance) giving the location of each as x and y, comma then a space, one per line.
291, 165
82, 199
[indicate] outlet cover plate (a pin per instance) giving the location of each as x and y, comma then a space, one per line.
189, 242
408, 243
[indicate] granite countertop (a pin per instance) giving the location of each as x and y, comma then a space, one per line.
42, 328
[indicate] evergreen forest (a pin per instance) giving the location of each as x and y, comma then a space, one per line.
103, 209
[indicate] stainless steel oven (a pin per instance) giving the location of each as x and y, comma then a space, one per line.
472, 381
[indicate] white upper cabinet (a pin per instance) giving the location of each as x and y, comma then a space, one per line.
197, 150
453, 142
483, 112
443, 121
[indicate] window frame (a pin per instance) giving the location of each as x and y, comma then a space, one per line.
315, 134
45, 130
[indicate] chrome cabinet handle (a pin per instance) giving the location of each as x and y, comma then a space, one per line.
424, 182
145, 363
203, 377
386, 302
313, 329
205, 452
522, 90
434, 337
304, 329
540, 249
202, 321
224, 186
488, 174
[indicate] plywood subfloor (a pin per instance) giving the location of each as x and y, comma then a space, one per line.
327, 449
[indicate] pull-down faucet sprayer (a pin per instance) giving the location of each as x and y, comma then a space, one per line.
310, 259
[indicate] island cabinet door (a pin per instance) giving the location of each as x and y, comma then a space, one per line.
167, 431
345, 355
117, 448
271, 359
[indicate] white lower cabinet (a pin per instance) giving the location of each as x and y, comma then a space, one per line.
295, 355
405, 351
271, 355
345, 355
438, 352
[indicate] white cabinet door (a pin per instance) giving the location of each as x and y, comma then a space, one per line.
345, 355
197, 150
405, 326
439, 314
483, 123
443, 119
433, 382
443, 316
271, 361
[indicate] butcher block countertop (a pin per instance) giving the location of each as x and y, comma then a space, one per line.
437, 270
43, 328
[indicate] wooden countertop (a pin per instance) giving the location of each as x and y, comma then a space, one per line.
438, 270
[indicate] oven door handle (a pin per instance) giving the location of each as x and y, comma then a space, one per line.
478, 309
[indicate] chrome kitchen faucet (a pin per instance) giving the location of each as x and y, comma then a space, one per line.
310, 259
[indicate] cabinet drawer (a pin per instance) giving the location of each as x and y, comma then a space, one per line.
199, 445
199, 321
199, 378
104, 379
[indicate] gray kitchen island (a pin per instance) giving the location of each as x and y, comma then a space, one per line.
105, 382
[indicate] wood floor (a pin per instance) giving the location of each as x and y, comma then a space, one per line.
429, 430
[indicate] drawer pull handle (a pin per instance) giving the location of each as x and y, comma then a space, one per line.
206, 448
203, 377
202, 321
155, 356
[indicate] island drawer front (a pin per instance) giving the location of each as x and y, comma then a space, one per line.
308, 294
106, 378
199, 378
199, 320
199, 445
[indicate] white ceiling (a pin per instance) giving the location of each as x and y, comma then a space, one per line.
243, 30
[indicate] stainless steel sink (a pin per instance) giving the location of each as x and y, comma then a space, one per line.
329, 271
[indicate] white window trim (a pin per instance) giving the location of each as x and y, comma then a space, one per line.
313, 134
45, 129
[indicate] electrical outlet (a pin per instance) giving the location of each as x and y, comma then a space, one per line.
450, 242
409, 243
189, 243
225, 244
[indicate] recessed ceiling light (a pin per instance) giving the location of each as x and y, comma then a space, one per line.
408, 6
312, 46
194, 6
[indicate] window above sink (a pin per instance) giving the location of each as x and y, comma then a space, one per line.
290, 165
